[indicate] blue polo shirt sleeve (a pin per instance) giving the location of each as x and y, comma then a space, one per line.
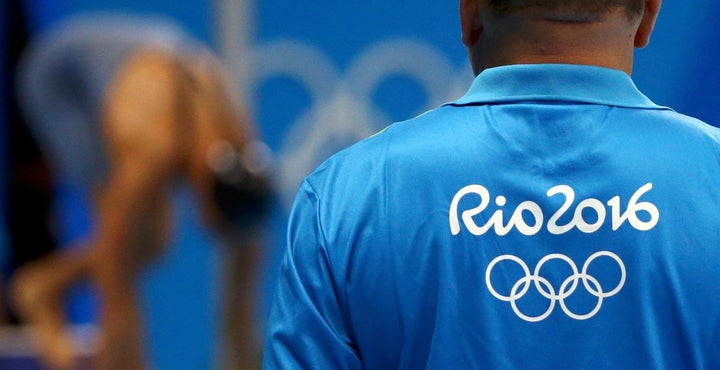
306, 328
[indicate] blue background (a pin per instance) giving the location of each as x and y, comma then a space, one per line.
678, 69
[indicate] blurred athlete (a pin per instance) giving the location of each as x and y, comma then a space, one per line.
125, 106
553, 217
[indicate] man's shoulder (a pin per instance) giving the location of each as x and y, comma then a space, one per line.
366, 161
683, 124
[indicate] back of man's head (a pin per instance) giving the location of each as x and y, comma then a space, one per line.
593, 32
568, 10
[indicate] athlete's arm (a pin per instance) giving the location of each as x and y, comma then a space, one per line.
307, 328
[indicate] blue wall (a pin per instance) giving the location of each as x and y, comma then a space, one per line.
679, 67
194, 15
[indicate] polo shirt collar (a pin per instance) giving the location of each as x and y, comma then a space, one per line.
555, 83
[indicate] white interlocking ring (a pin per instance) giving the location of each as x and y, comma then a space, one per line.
342, 110
545, 288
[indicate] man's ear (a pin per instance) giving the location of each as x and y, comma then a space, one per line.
647, 23
470, 21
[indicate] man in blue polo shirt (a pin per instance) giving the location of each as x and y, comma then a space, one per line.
552, 218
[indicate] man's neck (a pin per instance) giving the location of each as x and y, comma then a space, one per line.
526, 40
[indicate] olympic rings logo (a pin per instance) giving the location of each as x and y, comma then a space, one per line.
342, 111
546, 289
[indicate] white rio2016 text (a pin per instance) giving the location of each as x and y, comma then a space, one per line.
578, 221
